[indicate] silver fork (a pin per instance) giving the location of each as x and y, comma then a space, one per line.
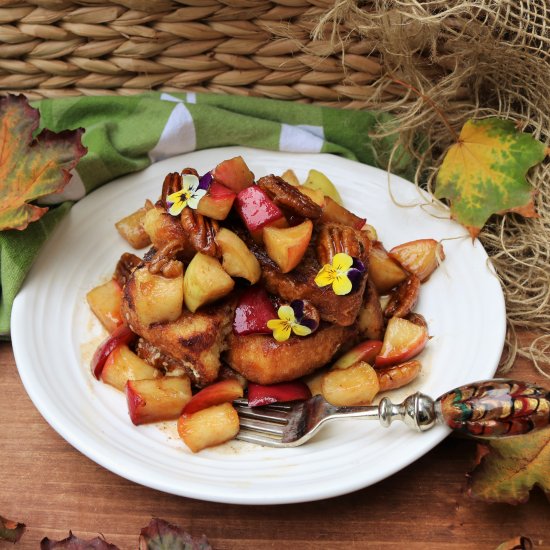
483, 409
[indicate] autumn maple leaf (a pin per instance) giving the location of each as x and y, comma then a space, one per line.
161, 535
11, 531
509, 468
484, 172
31, 167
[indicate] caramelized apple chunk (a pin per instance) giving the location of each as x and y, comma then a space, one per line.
403, 340
420, 257
205, 281
158, 399
384, 271
287, 246
209, 427
131, 227
355, 385
234, 174
237, 260
123, 365
158, 299
105, 302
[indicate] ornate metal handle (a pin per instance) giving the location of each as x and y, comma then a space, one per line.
495, 408
492, 408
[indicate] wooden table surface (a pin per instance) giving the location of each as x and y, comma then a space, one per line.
52, 488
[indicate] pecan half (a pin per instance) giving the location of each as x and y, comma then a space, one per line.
172, 183
391, 378
189, 171
334, 238
403, 298
124, 267
289, 197
201, 232
164, 257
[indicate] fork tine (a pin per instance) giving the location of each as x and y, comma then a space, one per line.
242, 402
259, 439
262, 426
264, 414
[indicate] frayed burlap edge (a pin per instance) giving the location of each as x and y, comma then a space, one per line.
460, 60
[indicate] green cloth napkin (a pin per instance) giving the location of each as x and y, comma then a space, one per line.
127, 134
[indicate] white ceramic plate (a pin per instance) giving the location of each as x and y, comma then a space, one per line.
54, 336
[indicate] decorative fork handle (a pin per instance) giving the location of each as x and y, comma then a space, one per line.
494, 408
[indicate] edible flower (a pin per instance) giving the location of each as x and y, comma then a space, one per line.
286, 324
189, 195
342, 273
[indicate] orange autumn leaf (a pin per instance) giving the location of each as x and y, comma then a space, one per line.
31, 167
484, 172
509, 468
11, 531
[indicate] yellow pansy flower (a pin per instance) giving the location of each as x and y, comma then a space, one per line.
189, 195
286, 324
337, 274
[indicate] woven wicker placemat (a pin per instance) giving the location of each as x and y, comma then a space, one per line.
52, 48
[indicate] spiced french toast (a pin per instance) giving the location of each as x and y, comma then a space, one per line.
255, 285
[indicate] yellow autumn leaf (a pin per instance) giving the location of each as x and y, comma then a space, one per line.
484, 172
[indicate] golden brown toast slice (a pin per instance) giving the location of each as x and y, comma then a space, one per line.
196, 340
261, 359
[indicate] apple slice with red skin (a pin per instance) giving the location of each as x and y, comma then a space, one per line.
155, 400
287, 246
123, 365
224, 391
217, 203
253, 312
366, 351
256, 208
384, 272
234, 174
420, 257
259, 395
403, 340
121, 336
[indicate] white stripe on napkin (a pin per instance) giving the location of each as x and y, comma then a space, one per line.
301, 138
178, 135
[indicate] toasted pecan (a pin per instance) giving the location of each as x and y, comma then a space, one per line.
403, 298
335, 238
124, 267
189, 171
172, 184
201, 232
289, 197
162, 259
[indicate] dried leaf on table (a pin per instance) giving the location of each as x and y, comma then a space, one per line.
10, 530
31, 167
75, 543
508, 469
161, 535
517, 543
484, 172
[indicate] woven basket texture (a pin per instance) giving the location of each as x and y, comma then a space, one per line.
53, 48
